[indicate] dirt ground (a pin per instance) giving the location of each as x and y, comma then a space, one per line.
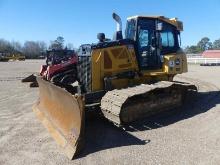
189, 136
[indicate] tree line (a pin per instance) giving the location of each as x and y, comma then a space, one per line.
32, 49
202, 45
35, 49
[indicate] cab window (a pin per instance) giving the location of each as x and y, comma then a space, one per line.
167, 39
130, 30
143, 38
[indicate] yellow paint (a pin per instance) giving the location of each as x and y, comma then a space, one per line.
122, 58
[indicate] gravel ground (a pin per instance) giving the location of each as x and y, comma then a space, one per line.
188, 136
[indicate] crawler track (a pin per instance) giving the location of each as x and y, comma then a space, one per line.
122, 106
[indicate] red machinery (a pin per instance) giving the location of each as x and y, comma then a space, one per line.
61, 67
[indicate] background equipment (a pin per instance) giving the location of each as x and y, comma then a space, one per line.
60, 68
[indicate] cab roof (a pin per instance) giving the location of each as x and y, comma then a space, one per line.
173, 21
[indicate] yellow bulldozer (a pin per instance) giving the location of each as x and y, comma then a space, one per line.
124, 79
16, 57
6, 56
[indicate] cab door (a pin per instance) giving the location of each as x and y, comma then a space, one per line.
147, 54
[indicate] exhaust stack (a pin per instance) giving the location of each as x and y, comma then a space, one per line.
118, 34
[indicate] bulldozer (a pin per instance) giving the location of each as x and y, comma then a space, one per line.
3, 57
125, 79
15, 56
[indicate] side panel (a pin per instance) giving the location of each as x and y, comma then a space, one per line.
110, 61
175, 64
96, 60
184, 63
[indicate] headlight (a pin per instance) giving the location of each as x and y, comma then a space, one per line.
171, 64
177, 61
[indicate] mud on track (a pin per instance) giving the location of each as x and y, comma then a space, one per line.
188, 136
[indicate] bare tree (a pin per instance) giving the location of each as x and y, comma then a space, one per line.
32, 49
5, 46
16, 46
42, 45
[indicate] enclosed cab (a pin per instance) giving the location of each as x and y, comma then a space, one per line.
158, 42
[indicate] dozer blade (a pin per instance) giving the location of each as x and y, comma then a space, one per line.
63, 115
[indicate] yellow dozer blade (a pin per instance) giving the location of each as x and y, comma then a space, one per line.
63, 115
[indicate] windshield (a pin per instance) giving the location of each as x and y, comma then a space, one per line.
130, 29
169, 35
169, 39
